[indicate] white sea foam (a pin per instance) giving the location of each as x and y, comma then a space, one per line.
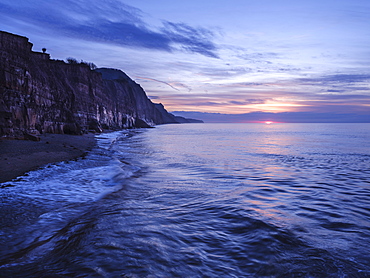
84, 180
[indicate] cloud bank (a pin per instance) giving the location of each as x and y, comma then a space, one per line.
110, 22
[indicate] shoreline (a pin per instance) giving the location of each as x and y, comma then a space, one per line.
18, 157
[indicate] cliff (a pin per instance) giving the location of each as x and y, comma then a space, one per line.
38, 95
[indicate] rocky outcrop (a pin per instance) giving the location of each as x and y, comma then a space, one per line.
170, 118
182, 120
38, 95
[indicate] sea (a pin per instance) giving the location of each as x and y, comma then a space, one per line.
197, 200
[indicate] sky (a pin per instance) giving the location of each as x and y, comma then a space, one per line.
276, 60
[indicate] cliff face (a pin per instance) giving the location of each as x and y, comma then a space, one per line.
40, 95
130, 97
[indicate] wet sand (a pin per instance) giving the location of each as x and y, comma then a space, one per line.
20, 156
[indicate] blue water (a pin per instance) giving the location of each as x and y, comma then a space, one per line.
197, 200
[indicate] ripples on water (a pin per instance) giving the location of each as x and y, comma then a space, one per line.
196, 200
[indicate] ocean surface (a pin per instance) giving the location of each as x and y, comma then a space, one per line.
197, 200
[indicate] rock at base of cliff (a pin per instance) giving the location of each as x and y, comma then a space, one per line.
139, 123
31, 137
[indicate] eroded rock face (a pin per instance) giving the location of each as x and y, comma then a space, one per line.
39, 95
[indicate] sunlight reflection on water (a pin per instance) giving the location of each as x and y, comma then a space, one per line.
212, 200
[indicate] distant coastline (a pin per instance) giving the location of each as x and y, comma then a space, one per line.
281, 117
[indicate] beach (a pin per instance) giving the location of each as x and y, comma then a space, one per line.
18, 157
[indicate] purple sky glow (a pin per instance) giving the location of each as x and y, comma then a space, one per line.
278, 58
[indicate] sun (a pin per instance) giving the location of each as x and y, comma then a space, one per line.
268, 122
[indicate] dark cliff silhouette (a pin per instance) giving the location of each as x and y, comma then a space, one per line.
38, 95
